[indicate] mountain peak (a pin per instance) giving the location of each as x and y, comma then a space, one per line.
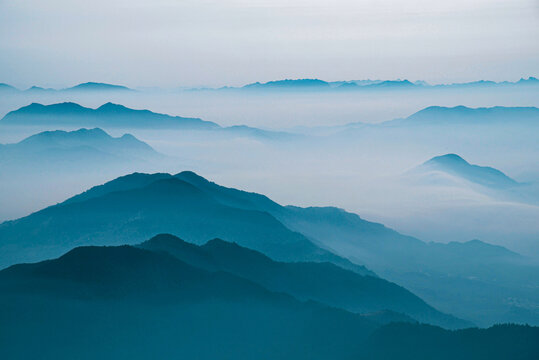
482, 175
109, 106
289, 83
95, 86
447, 158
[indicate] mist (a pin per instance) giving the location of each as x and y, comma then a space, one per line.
361, 168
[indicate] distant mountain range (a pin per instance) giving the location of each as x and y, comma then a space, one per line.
84, 87
133, 208
111, 115
107, 115
439, 115
457, 118
366, 85
61, 150
303, 85
127, 302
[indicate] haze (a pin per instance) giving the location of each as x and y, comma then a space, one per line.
233, 42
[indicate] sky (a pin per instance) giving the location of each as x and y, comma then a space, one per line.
171, 43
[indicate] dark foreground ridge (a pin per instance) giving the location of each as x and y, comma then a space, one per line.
129, 303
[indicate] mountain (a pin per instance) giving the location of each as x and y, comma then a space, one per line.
94, 86
431, 270
462, 115
322, 282
134, 208
5, 88
108, 115
72, 149
389, 84
129, 303
457, 166
289, 84
112, 115
138, 208
529, 81
38, 89
364, 85
452, 170
125, 302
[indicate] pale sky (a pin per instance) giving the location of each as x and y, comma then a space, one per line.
170, 43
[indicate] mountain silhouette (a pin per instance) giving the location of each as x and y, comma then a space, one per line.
5, 88
68, 150
371, 85
422, 267
127, 302
481, 175
107, 115
322, 282
133, 208
130, 303
299, 84
94, 86
111, 115
134, 214
439, 115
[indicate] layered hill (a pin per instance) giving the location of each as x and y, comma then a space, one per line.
140, 206
129, 303
462, 115
83, 147
113, 116
125, 302
322, 282
134, 208
107, 115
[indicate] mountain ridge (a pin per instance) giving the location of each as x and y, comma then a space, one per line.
322, 282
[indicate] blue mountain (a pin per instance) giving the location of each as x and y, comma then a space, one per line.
439, 115
107, 115
96, 87
5, 88
111, 115
70, 150
135, 207
322, 282
299, 84
130, 303
161, 203
481, 175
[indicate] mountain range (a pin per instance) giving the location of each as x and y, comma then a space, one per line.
322, 282
83, 87
303, 85
108, 115
133, 208
111, 116
462, 115
59, 150
130, 303
370, 85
